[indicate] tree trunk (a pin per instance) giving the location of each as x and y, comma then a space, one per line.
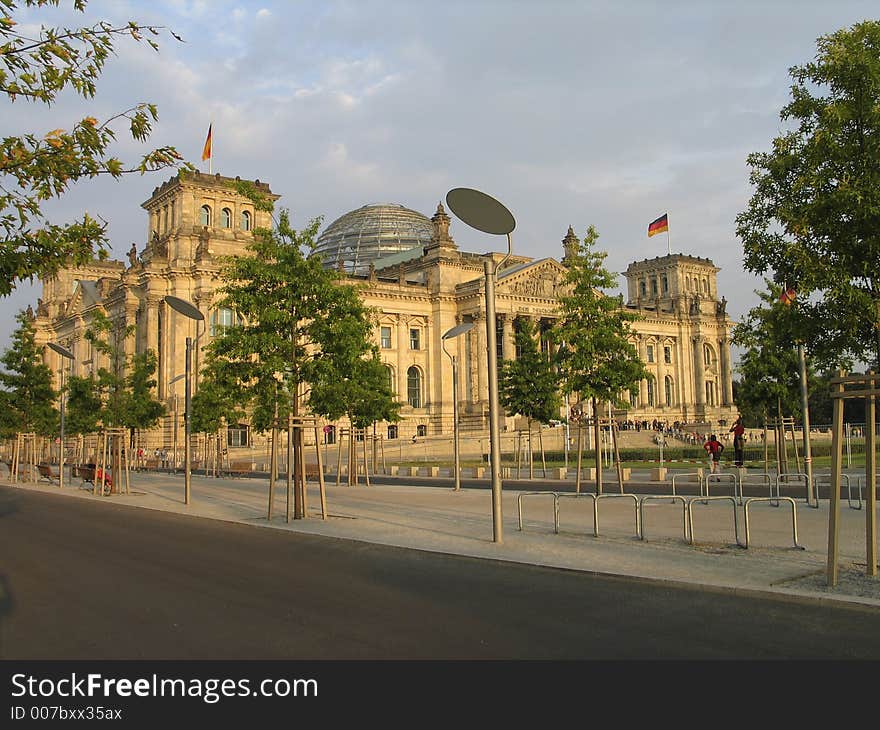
613, 428
531, 453
273, 461
597, 432
541, 445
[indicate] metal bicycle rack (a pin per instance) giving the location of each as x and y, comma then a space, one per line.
688, 474
705, 500
860, 482
674, 498
777, 498
763, 477
799, 477
519, 504
723, 477
849, 490
587, 495
633, 497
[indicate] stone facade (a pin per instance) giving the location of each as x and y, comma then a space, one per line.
194, 220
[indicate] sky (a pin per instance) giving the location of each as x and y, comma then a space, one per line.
569, 113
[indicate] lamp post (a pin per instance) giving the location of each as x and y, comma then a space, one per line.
456, 331
66, 355
189, 310
176, 418
486, 214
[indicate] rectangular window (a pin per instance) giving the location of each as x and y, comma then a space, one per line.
414, 338
667, 355
385, 336
237, 435
650, 352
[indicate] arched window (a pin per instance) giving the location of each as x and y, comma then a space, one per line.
205, 215
653, 287
643, 289
226, 218
414, 387
389, 374
392, 431
222, 319
665, 283
245, 220
650, 392
708, 355
670, 401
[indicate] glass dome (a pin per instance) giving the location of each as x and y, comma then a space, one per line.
358, 238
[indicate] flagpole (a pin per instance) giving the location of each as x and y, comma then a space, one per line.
211, 157
668, 243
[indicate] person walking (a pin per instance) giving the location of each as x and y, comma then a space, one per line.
739, 441
714, 448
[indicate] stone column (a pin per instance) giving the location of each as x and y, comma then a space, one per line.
660, 385
481, 356
699, 372
726, 376
509, 341
402, 349
643, 384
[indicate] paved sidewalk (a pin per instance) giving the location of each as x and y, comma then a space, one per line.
440, 520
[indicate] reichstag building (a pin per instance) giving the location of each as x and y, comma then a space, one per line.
421, 283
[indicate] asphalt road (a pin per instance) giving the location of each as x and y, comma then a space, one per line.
90, 580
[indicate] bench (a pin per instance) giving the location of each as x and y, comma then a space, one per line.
151, 465
88, 472
46, 474
237, 469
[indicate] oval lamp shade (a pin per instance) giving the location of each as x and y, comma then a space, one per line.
187, 309
459, 329
480, 211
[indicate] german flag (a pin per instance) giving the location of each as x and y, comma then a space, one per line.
658, 226
206, 153
788, 295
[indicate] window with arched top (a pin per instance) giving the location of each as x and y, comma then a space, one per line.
245, 220
222, 319
708, 355
414, 387
226, 218
665, 284
205, 215
643, 289
389, 377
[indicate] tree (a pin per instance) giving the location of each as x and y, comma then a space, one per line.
27, 382
83, 411
38, 166
126, 384
769, 366
596, 358
529, 385
352, 385
814, 217
293, 311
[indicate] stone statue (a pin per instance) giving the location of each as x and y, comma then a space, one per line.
133, 255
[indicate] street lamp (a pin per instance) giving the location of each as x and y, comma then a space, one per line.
66, 355
449, 335
176, 417
189, 310
486, 214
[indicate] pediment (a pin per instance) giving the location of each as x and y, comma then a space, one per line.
540, 278
86, 294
